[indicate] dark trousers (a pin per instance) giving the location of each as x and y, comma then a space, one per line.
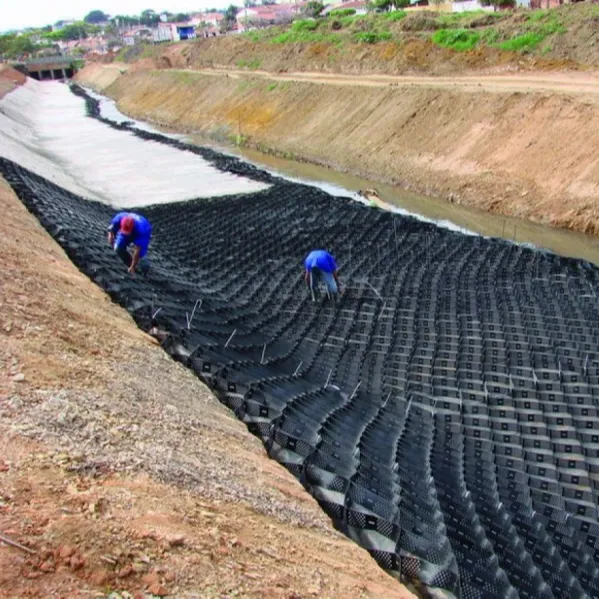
125, 256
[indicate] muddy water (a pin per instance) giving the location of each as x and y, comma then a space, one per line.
561, 241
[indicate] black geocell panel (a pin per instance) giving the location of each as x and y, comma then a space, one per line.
444, 413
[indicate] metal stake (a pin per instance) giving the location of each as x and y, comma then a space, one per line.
193, 312
231, 337
355, 390
329, 378
297, 369
263, 352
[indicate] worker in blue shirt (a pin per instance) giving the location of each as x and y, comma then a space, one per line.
321, 267
126, 229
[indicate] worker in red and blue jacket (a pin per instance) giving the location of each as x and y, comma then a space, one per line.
130, 229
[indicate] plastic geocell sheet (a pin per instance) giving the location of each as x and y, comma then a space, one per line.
444, 412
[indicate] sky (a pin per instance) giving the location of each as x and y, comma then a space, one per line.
17, 14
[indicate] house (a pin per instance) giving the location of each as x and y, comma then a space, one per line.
470, 5
535, 4
91, 45
271, 14
210, 19
416, 5
173, 32
62, 24
161, 34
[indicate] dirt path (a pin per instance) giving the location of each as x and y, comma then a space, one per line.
564, 83
122, 472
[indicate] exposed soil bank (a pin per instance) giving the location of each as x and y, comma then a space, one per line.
530, 155
121, 469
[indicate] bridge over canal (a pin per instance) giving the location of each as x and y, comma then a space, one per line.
49, 68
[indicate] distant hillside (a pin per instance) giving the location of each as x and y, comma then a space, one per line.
401, 41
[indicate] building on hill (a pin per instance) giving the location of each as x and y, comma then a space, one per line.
265, 15
172, 32
210, 19
62, 24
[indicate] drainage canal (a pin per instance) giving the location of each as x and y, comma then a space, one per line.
444, 413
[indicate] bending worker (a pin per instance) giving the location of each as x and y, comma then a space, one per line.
126, 229
321, 267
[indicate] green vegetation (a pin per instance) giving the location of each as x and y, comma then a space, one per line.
512, 31
394, 15
271, 87
456, 39
370, 37
522, 43
249, 64
342, 12
304, 25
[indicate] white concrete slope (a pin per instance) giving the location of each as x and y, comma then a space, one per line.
43, 128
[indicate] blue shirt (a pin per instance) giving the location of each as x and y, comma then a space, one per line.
140, 236
320, 259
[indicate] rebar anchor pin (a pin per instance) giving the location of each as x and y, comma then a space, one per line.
263, 352
189, 320
231, 337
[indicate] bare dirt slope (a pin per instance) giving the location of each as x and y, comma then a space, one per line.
520, 145
123, 473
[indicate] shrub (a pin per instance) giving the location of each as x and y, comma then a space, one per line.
456, 39
395, 15
370, 37
522, 43
489, 36
342, 12
304, 25
313, 8
419, 22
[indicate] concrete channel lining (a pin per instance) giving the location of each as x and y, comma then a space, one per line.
444, 413
44, 127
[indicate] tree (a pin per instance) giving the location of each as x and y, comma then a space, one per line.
95, 16
149, 18
229, 19
77, 31
14, 46
313, 8
182, 18
268, 2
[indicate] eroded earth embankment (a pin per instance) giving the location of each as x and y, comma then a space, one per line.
442, 413
495, 146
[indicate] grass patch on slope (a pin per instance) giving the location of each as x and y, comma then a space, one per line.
456, 39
